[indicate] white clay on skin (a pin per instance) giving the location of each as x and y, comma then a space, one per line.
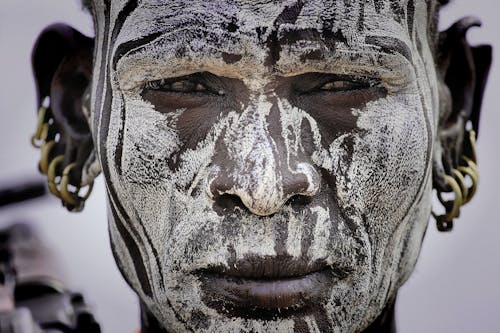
382, 188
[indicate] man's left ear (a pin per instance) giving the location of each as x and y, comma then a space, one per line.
62, 67
462, 71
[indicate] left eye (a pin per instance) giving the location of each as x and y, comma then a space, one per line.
342, 85
181, 86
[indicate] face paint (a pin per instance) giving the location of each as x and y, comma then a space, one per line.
255, 150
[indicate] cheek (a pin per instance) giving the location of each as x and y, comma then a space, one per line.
142, 172
149, 141
389, 161
162, 179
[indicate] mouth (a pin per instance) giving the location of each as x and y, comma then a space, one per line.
268, 287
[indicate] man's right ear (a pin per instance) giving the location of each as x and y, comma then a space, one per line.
62, 67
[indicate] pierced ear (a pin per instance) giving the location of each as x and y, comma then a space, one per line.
62, 67
463, 71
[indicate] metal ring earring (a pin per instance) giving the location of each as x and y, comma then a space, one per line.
457, 202
461, 182
445, 222
52, 174
472, 140
44, 160
471, 171
38, 133
72, 198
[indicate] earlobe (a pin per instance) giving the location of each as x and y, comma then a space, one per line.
463, 72
62, 67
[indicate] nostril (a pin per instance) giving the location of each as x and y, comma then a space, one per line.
265, 194
299, 201
228, 202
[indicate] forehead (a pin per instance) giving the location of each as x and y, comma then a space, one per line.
352, 15
242, 33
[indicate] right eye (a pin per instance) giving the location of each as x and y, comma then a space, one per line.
179, 86
343, 85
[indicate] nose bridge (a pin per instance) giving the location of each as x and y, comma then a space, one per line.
256, 168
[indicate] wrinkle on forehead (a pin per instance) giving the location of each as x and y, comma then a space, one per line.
265, 16
190, 36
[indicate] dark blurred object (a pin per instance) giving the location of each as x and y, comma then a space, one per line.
32, 298
22, 192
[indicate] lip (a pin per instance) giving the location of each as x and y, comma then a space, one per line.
267, 287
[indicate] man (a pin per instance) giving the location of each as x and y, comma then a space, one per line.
269, 165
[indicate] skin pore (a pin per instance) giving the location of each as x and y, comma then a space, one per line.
268, 164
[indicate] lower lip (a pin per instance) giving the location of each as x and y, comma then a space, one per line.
234, 295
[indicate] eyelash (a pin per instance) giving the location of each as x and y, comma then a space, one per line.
349, 84
190, 87
181, 86
343, 85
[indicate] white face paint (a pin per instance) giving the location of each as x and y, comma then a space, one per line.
198, 180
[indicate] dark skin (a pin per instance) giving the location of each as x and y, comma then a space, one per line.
385, 323
463, 70
208, 97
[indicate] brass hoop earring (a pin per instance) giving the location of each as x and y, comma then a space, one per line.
52, 174
58, 183
459, 177
35, 138
457, 202
44, 160
471, 171
463, 193
472, 140
72, 198
445, 222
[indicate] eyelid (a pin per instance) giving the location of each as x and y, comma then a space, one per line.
180, 85
193, 84
343, 84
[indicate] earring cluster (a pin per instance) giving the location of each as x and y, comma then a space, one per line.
46, 138
457, 181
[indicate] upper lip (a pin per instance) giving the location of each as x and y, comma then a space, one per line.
269, 267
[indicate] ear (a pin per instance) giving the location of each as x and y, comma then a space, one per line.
62, 67
463, 71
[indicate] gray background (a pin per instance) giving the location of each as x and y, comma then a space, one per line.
455, 287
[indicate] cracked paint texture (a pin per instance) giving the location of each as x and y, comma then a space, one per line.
368, 180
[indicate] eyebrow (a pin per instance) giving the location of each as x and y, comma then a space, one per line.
381, 45
390, 45
128, 46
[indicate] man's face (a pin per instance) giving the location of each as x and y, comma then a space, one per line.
267, 165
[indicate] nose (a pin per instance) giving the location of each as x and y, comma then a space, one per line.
255, 167
264, 187
263, 177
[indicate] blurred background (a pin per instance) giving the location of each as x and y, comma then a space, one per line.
455, 286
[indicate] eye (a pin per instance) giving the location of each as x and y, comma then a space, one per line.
333, 84
180, 86
343, 85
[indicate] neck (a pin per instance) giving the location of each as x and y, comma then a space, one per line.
149, 324
386, 322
